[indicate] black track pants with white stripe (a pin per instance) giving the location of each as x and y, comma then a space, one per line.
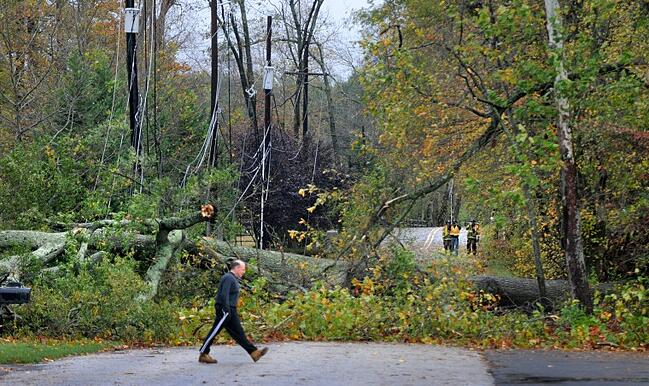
232, 325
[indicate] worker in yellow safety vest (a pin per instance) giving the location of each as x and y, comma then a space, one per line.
455, 237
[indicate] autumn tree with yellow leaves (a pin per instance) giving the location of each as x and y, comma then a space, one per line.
467, 89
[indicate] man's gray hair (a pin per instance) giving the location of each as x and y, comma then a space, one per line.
236, 263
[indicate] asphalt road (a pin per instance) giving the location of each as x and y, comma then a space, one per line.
425, 238
593, 368
292, 363
330, 364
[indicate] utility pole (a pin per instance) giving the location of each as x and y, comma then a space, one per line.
132, 24
268, 89
305, 100
214, 84
214, 104
268, 77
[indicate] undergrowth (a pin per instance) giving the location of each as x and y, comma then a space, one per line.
396, 301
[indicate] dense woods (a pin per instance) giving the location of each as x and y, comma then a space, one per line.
529, 116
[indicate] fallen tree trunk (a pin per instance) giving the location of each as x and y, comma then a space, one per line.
522, 292
45, 247
97, 240
48, 246
32, 239
284, 271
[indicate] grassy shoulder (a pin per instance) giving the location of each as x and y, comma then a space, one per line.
498, 268
34, 351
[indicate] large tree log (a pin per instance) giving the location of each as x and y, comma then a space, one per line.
43, 243
525, 292
45, 247
284, 271
31, 239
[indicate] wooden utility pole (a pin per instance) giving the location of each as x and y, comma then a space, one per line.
268, 89
304, 32
131, 68
131, 25
214, 104
267, 92
305, 74
305, 100
214, 84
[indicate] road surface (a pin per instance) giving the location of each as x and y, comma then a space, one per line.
424, 239
331, 364
292, 363
592, 368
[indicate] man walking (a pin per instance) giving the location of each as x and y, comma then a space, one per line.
227, 316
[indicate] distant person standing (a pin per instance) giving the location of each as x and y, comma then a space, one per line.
455, 237
446, 236
472, 237
227, 316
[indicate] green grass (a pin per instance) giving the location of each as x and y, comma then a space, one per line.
29, 352
498, 268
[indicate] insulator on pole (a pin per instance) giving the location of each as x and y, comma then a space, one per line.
269, 74
132, 20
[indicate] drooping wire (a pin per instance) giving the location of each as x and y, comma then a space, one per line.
202, 154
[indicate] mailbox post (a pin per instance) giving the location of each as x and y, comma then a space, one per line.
14, 293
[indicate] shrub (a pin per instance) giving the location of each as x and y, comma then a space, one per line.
98, 301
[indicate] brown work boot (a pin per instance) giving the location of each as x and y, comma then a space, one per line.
257, 354
206, 358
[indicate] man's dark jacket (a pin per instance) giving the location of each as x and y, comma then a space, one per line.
228, 293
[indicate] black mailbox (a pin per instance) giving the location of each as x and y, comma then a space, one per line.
14, 293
